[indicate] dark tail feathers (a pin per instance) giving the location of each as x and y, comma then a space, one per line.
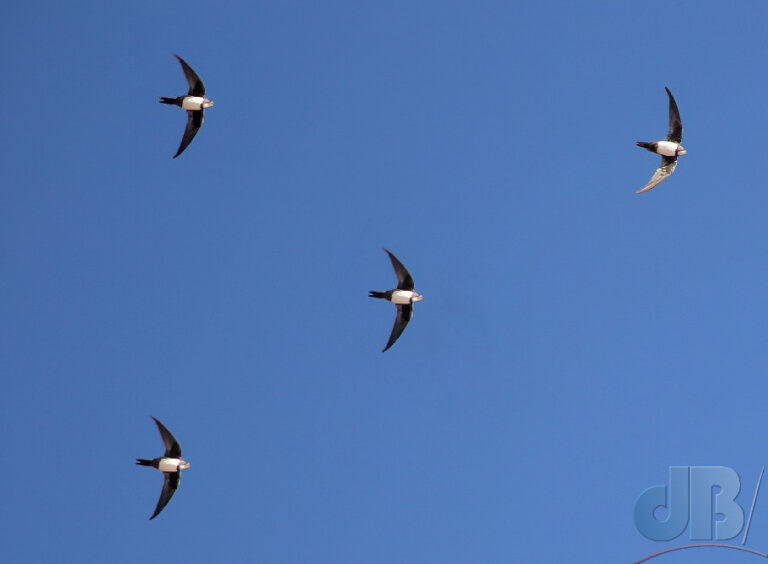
144, 462
171, 101
644, 145
375, 294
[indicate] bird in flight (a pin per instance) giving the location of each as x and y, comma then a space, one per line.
194, 102
403, 297
669, 149
170, 464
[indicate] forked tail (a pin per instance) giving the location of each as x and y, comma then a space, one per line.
143, 462
375, 294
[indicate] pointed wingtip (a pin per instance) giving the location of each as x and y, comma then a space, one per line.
182, 62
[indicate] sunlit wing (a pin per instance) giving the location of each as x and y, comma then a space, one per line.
668, 165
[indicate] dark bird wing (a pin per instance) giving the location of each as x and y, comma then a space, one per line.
404, 315
172, 446
196, 86
170, 485
675, 123
668, 165
404, 278
194, 123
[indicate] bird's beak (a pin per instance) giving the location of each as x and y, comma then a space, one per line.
682, 151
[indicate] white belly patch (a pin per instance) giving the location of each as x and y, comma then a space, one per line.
168, 465
402, 297
192, 103
666, 148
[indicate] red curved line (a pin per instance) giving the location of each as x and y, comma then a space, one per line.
745, 549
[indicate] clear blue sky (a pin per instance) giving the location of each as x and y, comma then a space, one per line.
575, 339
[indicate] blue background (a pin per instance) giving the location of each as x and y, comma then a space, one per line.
575, 339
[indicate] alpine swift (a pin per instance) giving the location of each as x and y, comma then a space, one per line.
403, 297
669, 149
170, 464
194, 102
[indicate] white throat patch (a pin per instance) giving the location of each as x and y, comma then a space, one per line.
168, 465
402, 297
192, 103
667, 148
